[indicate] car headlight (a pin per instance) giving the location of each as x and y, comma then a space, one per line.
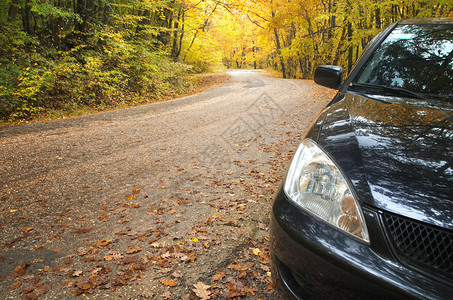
315, 184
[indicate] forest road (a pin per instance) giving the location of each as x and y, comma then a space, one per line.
165, 201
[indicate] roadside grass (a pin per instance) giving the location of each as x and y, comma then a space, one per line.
196, 84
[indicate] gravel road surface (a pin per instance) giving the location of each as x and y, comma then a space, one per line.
163, 201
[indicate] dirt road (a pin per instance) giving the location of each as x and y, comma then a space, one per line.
162, 201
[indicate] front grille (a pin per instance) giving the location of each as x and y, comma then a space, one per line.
424, 246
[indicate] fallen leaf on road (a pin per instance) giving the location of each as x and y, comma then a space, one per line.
84, 229
19, 270
166, 295
77, 273
218, 276
176, 274
201, 290
28, 229
167, 282
16, 285
146, 294
103, 243
28, 289
43, 289
132, 248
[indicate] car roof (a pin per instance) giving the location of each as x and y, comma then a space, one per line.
443, 20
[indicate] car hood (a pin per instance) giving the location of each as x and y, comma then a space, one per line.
397, 155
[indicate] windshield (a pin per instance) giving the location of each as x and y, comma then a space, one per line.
417, 58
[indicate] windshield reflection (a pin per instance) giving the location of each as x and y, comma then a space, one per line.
415, 57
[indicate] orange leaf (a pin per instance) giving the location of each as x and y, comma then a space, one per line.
132, 248
242, 274
167, 282
19, 270
28, 289
103, 243
16, 285
218, 276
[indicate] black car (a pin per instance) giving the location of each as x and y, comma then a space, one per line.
366, 208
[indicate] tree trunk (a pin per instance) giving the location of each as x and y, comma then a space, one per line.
377, 14
174, 49
350, 47
26, 18
279, 52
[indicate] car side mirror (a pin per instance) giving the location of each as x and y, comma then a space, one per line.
329, 76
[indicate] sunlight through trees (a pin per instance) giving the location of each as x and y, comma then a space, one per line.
61, 55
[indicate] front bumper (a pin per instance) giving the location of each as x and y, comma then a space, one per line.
313, 258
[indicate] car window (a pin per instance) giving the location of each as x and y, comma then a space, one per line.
418, 58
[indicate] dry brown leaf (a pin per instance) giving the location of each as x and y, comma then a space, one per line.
19, 270
84, 229
262, 226
132, 248
242, 274
218, 276
241, 267
158, 245
28, 229
68, 283
43, 289
146, 294
81, 251
167, 282
16, 285
176, 274
166, 295
201, 290
28, 289
84, 286
103, 243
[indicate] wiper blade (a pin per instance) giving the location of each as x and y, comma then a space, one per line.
387, 90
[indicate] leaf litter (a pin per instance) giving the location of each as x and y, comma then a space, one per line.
206, 239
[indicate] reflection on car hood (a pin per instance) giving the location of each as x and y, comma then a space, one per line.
398, 156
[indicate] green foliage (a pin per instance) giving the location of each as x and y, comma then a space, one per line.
47, 10
61, 56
